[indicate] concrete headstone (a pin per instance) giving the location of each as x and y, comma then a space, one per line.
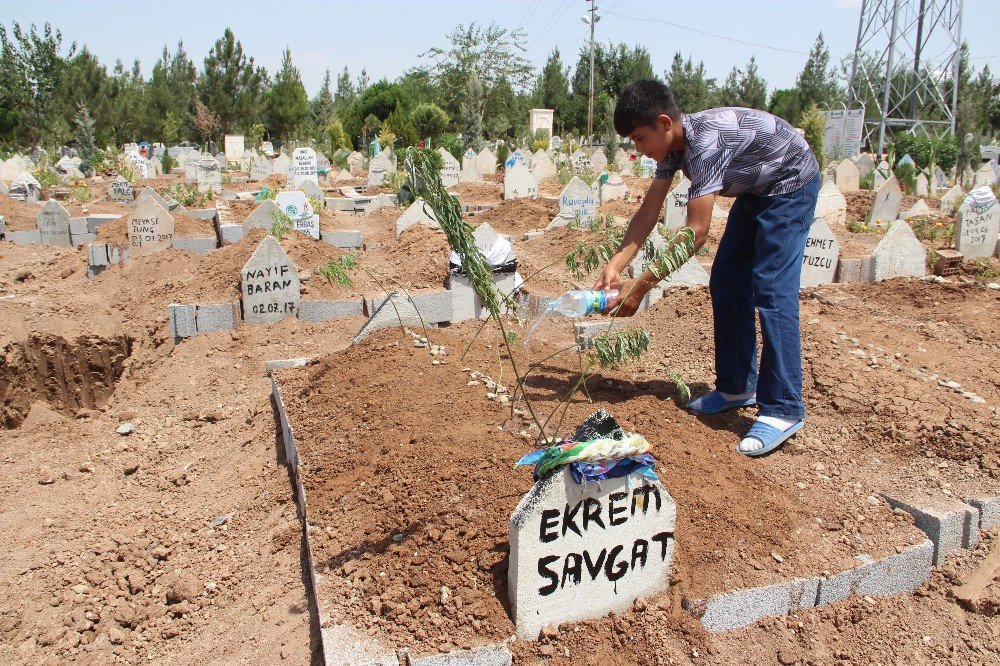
648, 165
280, 164
209, 175
150, 229
978, 224
580, 161
952, 199
233, 145
831, 205
302, 168
295, 204
542, 165
675, 206
486, 162
848, 178
146, 194
577, 200
865, 165
470, 168
583, 551
519, 183
260, 168
917, 209
939, 179
121, 191
451, 171
379, 167
881, 175
819, 262
417, 212
355, 161
269, 284
888, 199
53, 224
984, 176
262, 216
898, 254
599, 161
139, 163
921, 189
613, 188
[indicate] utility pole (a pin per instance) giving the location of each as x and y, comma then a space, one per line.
592, 20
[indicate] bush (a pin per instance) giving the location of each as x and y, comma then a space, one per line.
452, 144
503, 152
907, 177
429, 120
921, 148
814, 124
167, 161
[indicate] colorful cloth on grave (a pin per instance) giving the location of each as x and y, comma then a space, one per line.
596, 459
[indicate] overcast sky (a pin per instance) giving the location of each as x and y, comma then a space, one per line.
388, 36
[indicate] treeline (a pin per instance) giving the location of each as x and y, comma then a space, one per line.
478, 85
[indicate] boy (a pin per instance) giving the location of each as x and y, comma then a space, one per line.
762, 161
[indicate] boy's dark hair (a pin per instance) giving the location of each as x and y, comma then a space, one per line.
642, 103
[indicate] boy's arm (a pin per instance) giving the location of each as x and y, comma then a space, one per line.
639, 228
631, 292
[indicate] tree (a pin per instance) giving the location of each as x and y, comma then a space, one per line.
620, 66
83, 82
692, 90
494, 54
335, 134
286, 104
744, 88
429, 120
346, 93
785, 103
205, 121
401, 126
552, 87
813, 125
32, 67
816, 83
171, 90
126, 89
418, 84
322, 105
85, 141
230, 85
471, 114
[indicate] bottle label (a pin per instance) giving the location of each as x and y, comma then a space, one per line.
596, 301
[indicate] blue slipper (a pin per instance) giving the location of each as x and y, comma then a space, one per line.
713, 403
769, 436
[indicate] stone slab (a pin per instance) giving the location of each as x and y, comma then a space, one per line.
898, 254
888, 199
854, 271
215, 317
690, 274
895, 574
988, 507
316, 311
578, 201
489, 655
831, 206
399, 310
948, 523
231, 233
198, 245
269, 284
519, 183
821, 256
733, 610
183, 320
347, 239
977, 227
675, 206
53, 224
585, 331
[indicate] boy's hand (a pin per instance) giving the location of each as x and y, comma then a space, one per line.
629, 298
610, 278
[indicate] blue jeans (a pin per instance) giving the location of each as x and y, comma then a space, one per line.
758, 266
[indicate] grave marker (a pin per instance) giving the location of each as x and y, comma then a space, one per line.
416, 213
302, 168
53, 224
599, 161
819, 263
209, 175
978, 224
269, 284
262, 216
888, 199
865, 165
984, 176
675, 207
150, 229
921, 189
139, 163
191, 165
260, 168
848, 177
898, 254
267, 148
297, 207
280, 164
486, 162
233, 144
917, 209
149, 193
952, 198
121, 191
831, 205
577, 200
583, 551
379, 167
542, 165
613, 188
25, 187
451, 171
580, 161
940, 178
519, 183
882, 173
355, 161
648, 166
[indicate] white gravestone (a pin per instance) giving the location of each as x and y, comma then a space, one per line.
121, 191
542, 166
150, 229
939, 180
518, 157
260, 169
831, 205
191, 165
313, 191
898, 254
865, 165
977, 225
302, 168
918, 209
952, 198
280, 164
451, 171
648, 166
675, 206
921, 188
819, 262
984, 176
888, 199
486, 162
470, 170
209, 175
139, 163
53, 224
262, 216
613, 188
147, 194
297, 207
577, 200
518, 183
233, 144
580, 161
848, 178
355, 161
379, 168
269, 284
417, 213
599, 161
267, 148
579, 552
882, 173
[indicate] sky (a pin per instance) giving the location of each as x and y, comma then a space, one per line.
388, 37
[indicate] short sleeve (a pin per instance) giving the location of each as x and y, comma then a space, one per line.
664, 172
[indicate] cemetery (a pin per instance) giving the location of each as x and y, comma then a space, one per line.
276, 400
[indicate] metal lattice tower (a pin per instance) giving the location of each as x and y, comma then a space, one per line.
906, 60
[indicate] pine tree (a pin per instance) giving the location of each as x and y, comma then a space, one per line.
429, 120
171, 90
85, 140
286, 104
552, 87
346, 93
744, 88
692, 90
336, 135
322, 105
472, 114
230, 85
400, 124
817, 83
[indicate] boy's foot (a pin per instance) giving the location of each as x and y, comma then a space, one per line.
766, 434
717, 401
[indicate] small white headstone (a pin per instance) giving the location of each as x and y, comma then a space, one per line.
451, 171
577, 200
150, 229
599, 161
233, 144
882, 173
121, 191
940, 178
209, 175
898, 254
191, 165
379, 167
518, 183
675, 206
978, 224
262, 216
952, 198
831, 205
280, 164
984, 176
139, 163
267, 148
888, 199
355, 161
302, 168
648, 166
297, 207
146, 194
848, 178
917, 209
418, 212
921, 189
819, 262
53, 224
582, 551
269, 284
613, 188
580, 161
486, 162
865, 165
260, 168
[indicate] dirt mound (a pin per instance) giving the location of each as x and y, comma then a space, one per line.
185, 226
478, 193
516, 216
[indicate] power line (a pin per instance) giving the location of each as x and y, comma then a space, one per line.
528, 15
551, 23
707, 34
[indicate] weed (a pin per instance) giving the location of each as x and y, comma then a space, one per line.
335, 270
983, 269
281, 225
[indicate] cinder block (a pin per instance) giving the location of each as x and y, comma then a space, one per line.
434, 307
531, 235
199, 245
853, 271
203, 214
78, 226
896, 574
231, 233
586, 331
282, 363
489, 655
216, 317
95, 221
29, 237
340, 203
81, 239
989, 510
347, 238
949, 523
316, 311
117, 253
396, 310
183, 320
742, 608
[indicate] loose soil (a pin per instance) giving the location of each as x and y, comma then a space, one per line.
180, 544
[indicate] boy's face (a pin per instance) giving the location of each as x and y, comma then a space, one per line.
655, 141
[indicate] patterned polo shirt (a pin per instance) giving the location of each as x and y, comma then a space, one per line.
736, 151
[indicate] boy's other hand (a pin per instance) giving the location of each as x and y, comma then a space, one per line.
628, 300
610, 279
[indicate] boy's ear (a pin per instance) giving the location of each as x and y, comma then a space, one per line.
665, 122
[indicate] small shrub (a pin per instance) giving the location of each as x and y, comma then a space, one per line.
983, 269
866, 181
907, 177
281, 224
335, 270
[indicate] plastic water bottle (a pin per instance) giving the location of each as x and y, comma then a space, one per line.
578, 303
